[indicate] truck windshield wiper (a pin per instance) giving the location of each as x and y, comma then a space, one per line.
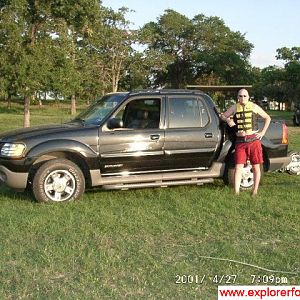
82, 121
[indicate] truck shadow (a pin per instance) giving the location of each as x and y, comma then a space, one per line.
7, 193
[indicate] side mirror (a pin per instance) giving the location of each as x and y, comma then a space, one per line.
114, 123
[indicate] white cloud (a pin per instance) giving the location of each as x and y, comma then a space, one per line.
263, 60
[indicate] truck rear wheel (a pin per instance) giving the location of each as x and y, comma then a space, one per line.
247, 176
58, 180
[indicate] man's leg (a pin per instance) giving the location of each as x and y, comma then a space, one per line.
238, 177
256, 159
257, 175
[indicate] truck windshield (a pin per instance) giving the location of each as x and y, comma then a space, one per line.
97, 112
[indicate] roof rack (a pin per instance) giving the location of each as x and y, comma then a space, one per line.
166, 91
219, 87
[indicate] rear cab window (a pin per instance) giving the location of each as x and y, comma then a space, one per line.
187, 112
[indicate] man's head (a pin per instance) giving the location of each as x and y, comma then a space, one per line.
243, 96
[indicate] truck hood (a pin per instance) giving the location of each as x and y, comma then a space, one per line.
36, 131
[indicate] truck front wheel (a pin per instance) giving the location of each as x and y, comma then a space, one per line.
58, 180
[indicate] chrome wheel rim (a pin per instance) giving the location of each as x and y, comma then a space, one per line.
295, 164
60, 185
247, 176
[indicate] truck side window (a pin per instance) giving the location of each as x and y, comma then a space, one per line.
186, 112
141, 114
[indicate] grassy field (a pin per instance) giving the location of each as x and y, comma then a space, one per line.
136, 244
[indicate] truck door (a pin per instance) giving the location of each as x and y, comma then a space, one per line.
192, 134
138, 145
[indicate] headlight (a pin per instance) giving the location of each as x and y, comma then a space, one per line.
12, 150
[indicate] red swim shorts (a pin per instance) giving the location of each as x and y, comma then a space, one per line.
251, 151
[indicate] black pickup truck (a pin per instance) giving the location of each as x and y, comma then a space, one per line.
146, 138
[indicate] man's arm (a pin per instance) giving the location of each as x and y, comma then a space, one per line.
267, 121
226, 115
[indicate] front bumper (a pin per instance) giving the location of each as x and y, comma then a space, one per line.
15, 180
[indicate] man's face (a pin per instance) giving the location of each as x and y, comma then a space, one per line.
243, 96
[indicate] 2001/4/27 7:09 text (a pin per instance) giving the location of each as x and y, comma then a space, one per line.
199, 279
228, 279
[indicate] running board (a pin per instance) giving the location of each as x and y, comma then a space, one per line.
156, 184
216, 171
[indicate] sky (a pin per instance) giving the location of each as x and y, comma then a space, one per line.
267, 24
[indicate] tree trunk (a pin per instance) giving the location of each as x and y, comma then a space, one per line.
26, 119
26, 112
117, 76
114, 88
73, 105
40, 100
9, 101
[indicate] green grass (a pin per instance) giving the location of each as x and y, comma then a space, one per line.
132, 244
286, 115
47, 114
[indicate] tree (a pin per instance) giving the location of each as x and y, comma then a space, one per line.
292, 71
282, 84
273, 83
171, 40
111, 49
75, 28
24, 48
38, 44
198, 49
289, 54
220, 51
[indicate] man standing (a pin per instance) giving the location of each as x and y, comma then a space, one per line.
248, 144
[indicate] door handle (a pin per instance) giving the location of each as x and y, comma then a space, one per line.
154, 137
208, 135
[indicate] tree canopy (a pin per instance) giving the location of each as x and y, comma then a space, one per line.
281, 84
81, 49
202, 49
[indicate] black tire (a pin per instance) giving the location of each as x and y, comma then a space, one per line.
247, 182
58, 180
294, 121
